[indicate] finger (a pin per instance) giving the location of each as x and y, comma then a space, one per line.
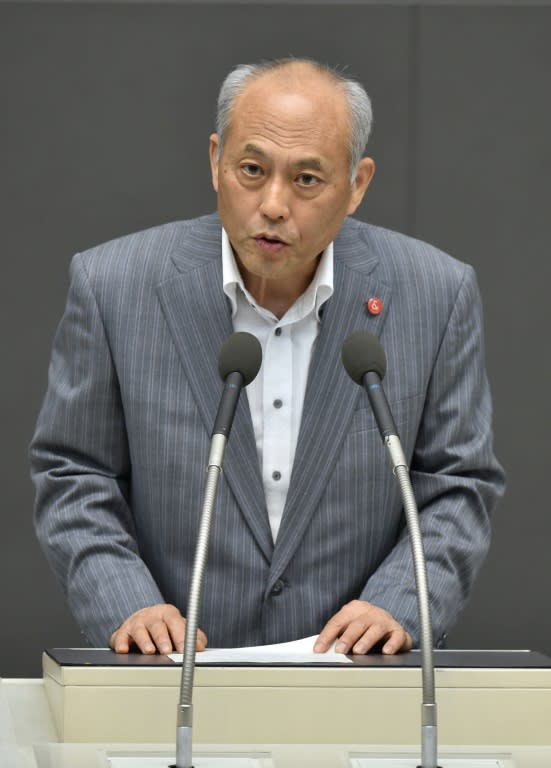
176, 625
120, 641
141, 637
360, 636
377, 633
160, 635
329, 633
399, 640
202, 640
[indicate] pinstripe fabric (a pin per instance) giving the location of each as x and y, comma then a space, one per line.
121, 444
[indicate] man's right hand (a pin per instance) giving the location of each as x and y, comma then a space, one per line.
156, 628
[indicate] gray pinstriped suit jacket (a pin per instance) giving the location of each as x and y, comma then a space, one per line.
120, 449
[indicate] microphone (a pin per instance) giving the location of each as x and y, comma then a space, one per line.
364, 360
239, 361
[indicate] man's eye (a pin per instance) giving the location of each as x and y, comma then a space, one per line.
307, 180
251, 170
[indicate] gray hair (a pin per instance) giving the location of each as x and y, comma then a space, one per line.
360, 118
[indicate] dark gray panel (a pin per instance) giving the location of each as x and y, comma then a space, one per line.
491, 3
483, 167
106, 115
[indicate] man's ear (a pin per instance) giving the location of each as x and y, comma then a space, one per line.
364, 174
213, 155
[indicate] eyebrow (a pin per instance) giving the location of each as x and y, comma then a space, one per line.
306, 162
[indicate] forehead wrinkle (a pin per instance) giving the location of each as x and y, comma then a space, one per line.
297, 113
285, 135
266, 120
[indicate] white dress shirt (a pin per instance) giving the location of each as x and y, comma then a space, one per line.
276, 395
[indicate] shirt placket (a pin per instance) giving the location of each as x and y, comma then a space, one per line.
277, 414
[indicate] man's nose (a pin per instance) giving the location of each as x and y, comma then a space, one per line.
275, 203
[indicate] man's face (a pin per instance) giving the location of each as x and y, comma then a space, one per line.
283, 179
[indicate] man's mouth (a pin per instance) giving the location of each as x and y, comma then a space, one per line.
270, 243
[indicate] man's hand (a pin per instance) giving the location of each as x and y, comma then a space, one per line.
359, 626
156, 628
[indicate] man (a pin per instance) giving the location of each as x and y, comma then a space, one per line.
309, 535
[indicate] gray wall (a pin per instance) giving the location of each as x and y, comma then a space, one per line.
106, 110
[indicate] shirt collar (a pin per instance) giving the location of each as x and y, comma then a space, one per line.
317, 293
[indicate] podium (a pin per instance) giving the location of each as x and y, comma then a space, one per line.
496, 702
483, 697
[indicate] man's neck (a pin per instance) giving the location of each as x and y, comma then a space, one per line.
277, 296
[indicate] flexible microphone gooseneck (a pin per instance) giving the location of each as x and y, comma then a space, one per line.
238, 364
365, 362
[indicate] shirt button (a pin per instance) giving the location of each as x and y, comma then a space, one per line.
276, 475
278, 587
278, 403
277, 331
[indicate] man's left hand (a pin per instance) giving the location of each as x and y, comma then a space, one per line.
358, 626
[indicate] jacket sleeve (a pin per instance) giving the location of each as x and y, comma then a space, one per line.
455, 475
81, 469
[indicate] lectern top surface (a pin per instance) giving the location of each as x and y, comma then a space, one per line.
488, 659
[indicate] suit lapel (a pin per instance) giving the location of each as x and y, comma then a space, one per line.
199, 319
331, 397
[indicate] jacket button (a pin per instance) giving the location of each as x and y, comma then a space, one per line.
278, 587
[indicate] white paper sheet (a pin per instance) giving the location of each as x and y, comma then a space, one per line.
294, 652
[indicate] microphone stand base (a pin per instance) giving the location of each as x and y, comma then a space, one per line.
455, 760
162, 759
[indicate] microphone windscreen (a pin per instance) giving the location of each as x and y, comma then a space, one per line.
241, 353
363, 353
